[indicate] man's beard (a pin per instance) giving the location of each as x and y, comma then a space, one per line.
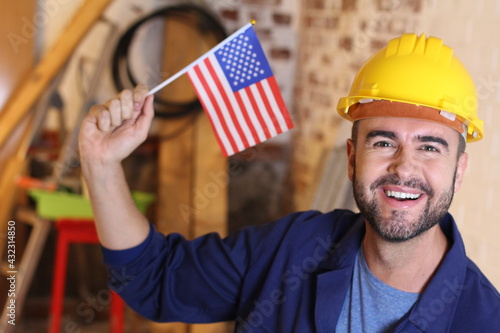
398, 227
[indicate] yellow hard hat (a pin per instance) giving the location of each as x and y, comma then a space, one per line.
421, 71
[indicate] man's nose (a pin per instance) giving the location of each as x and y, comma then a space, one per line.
404, 164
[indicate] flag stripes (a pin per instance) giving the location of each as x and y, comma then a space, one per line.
243, 118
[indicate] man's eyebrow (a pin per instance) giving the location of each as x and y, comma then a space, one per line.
436, 139
420, 138
385, 134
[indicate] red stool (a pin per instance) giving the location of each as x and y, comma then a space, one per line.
76, 231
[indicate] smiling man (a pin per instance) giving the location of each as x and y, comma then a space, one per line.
397, 266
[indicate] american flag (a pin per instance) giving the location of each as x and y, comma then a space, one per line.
239, 93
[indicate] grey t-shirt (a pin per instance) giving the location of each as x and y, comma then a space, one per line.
371, 305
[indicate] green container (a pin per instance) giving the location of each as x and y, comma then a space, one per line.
54, 205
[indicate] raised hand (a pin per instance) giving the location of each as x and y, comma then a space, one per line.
111, 131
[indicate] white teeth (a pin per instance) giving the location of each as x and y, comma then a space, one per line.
402, 195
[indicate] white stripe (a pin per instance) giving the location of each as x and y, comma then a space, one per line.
211, 111
234, 103
274, 105
251, 114
263, 110
220, 102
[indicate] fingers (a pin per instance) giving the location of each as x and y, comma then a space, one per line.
139, 97
114, 108
127, 105
100, 116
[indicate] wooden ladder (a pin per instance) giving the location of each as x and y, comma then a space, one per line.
20, 275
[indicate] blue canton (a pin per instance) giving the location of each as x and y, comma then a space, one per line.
243, 61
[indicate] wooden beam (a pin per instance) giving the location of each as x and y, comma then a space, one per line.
31, 89
175, 160
193, 175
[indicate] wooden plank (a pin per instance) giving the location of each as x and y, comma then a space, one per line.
209, 196
16, 47
192, 193
31, 89
211, 178
175, 170
175, 151
16, 60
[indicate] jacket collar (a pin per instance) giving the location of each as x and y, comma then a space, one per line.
335, 278
434, 309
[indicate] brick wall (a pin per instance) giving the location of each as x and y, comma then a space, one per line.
337, 36
469, 27
276, 29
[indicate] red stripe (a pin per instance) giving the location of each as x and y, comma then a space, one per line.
279, 100
269, 109
245, 111
257, 112
216, 107
205, 107
232, 114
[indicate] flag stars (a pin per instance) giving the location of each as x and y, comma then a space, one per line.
239, 61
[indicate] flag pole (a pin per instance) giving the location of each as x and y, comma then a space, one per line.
194, 63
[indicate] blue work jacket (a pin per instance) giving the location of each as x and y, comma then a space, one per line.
289, 276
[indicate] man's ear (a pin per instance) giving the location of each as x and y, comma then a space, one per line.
351, 158
462, 163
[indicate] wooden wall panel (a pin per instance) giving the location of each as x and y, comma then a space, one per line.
187, 198
16, 46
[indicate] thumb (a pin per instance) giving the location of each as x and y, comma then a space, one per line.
144, 120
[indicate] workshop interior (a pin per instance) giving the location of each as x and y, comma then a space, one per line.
58, 58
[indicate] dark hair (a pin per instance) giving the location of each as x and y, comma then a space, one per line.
461, 140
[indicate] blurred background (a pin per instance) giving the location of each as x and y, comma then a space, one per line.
58, 57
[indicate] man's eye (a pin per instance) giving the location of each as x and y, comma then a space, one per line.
382, 144
429, 148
